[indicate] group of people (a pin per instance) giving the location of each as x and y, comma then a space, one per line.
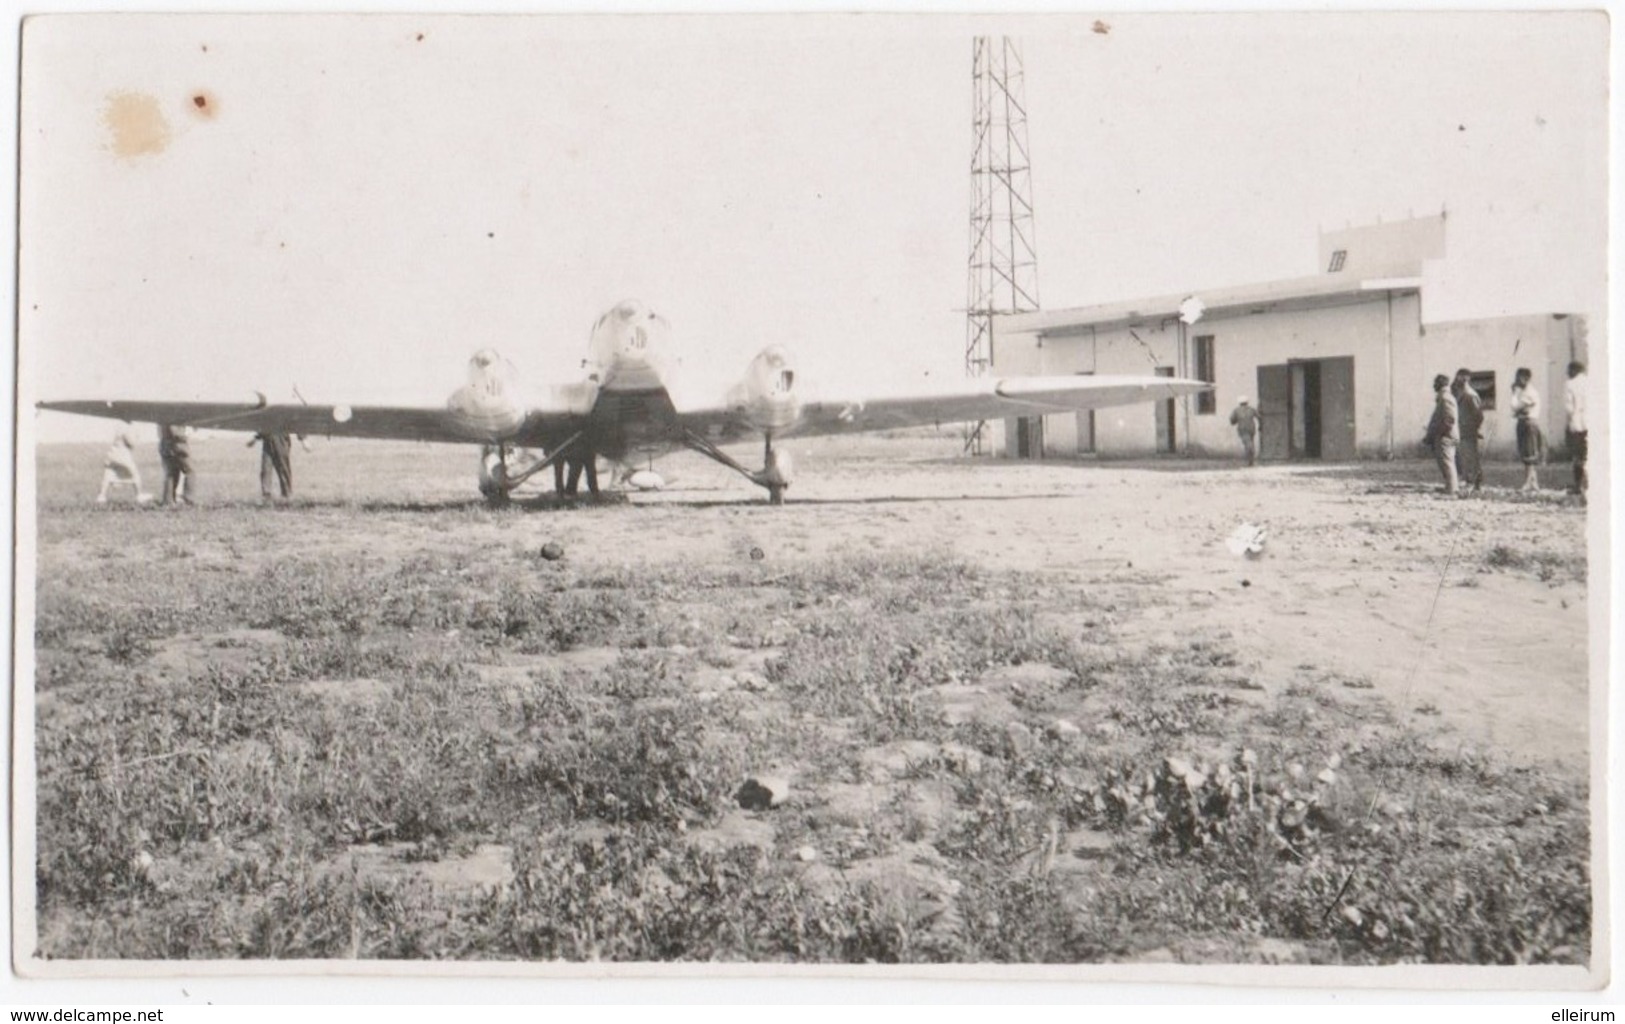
1456, 431
175, 454
1457, 428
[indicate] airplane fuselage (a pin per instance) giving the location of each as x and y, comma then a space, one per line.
625, 409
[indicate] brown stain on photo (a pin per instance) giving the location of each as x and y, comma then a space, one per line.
135, 125
203, 104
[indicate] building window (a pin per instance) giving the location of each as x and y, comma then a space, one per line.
1206, 403
1483, 382
1337, 261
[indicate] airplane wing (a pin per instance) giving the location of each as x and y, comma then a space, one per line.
403, 423
961, 402
989, 399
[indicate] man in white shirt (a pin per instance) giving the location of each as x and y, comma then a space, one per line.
119, 470
1574, 403
1531, 440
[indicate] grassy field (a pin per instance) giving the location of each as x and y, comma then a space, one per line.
379, 724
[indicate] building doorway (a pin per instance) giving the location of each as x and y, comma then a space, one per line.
1165, 418
1304, 380
1307, 409
1030, 437
1086, 425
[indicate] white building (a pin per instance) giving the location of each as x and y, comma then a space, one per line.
1340, 364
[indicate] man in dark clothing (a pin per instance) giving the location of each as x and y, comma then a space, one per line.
175, 452
1443, 433
276, 458
1470, 420
1245, 420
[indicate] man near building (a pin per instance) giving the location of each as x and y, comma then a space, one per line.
1245, 420
1470, 422
1443, 434
175, 452
1574, 404
1531, 441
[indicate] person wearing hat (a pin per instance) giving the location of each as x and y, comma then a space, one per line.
1245, 420
1443, 434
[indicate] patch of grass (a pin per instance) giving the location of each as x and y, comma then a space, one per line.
446, 701
1545, 564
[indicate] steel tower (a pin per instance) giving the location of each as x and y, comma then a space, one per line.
1002, 271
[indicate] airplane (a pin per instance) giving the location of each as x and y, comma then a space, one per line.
632, 406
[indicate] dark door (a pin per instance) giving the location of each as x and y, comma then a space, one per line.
1337, 409
1086, 426
1165, 416
1305, 408
1274, 408
1030, 437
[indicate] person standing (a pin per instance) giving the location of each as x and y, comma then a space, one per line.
1574, 404
119, 470
1470, 422
175, 452
1443, 434
1245, 420
1531, 441
276, 459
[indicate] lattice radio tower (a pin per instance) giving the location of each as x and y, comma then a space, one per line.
1003, 268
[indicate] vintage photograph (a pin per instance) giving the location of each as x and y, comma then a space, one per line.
1099, 496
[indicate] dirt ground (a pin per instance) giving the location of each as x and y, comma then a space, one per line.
1365, 571
1464, 621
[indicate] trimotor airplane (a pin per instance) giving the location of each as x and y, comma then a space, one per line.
632, 406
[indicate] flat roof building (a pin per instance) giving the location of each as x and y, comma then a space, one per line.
1339, 364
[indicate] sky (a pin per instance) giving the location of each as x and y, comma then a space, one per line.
212, 206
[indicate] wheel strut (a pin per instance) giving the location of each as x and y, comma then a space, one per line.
770, 477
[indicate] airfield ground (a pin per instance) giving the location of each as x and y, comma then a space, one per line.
1024, 712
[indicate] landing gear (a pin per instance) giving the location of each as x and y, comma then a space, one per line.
774, 475
498, 479
494, 475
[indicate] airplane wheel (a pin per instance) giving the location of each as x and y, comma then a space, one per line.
775, 495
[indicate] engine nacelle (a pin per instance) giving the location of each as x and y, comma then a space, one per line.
490, 404
630, 348
767, 398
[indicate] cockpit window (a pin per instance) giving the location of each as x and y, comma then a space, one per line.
639, 338
786, 380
